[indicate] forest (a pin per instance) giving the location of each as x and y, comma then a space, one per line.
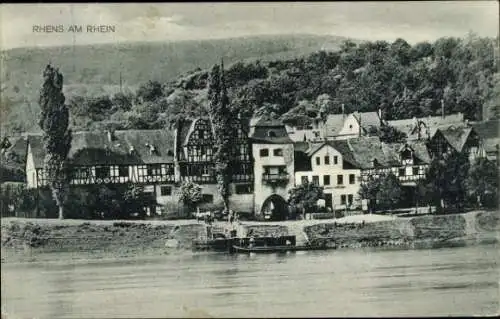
402, 80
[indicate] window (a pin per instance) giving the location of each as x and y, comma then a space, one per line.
315, 180
244, 189
205, 170
326, 179
122, 171
342, 199
352, 179
278, 152
271, 134
165, 190
327, 160
154, 169
82, 173
102, 172
340, 179
350, 198
415, 171
305, 180
264, 152
207, 198
401, 172
335, 160
318, 160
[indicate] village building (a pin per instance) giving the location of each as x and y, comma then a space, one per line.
160, 160
425, 127
267, 162
336, 127
342, 166
273, 153
330, 164
462, 139
489, 132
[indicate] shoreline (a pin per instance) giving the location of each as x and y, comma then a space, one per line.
25, 240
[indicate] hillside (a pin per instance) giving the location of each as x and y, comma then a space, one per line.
95, 69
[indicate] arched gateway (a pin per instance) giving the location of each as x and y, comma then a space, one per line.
275, 207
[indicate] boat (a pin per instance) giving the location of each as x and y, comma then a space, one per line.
275, 249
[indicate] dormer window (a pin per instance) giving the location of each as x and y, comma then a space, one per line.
374, 162
131, 150
271, 134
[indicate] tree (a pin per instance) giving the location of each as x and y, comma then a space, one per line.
134, 201
54, 121
305, 195
447, 177
482, 182
190, 194
369, 191
220, 117
389, 192
389, 134
150, 91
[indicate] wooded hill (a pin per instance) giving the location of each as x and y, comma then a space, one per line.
94, 70
403, 80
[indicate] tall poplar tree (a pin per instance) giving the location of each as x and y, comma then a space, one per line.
220, 118
54, 120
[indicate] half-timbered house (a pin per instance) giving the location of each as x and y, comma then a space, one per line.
195, 149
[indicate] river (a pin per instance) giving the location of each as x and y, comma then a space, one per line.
446, 281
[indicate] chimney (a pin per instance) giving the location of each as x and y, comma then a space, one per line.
343, 109
442, 108
380, 114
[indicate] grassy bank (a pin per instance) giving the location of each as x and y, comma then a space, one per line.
25, 238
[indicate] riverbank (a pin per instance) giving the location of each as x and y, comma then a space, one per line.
28, 239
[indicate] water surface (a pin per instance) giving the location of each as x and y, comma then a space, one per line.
447, 281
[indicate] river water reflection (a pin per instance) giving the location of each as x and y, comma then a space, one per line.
447, 281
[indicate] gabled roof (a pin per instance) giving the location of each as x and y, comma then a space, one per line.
367, 149
95, 148
489, 132
433, 123
269, 131
334, 123
367, 119
456, 136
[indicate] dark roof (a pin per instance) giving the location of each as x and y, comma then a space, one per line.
266, 121
433, 123
456, 136
488, 131
269, 131
367, 149
95, 148
367, 119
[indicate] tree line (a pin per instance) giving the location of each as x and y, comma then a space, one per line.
403, 80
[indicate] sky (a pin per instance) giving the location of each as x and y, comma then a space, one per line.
413, 21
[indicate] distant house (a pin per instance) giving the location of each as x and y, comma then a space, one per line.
336, 127
359, 124
489, 132
461, 139
425, 127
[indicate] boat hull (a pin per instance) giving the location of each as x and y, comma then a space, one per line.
276, 249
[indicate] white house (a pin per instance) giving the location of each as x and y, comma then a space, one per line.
333, 167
